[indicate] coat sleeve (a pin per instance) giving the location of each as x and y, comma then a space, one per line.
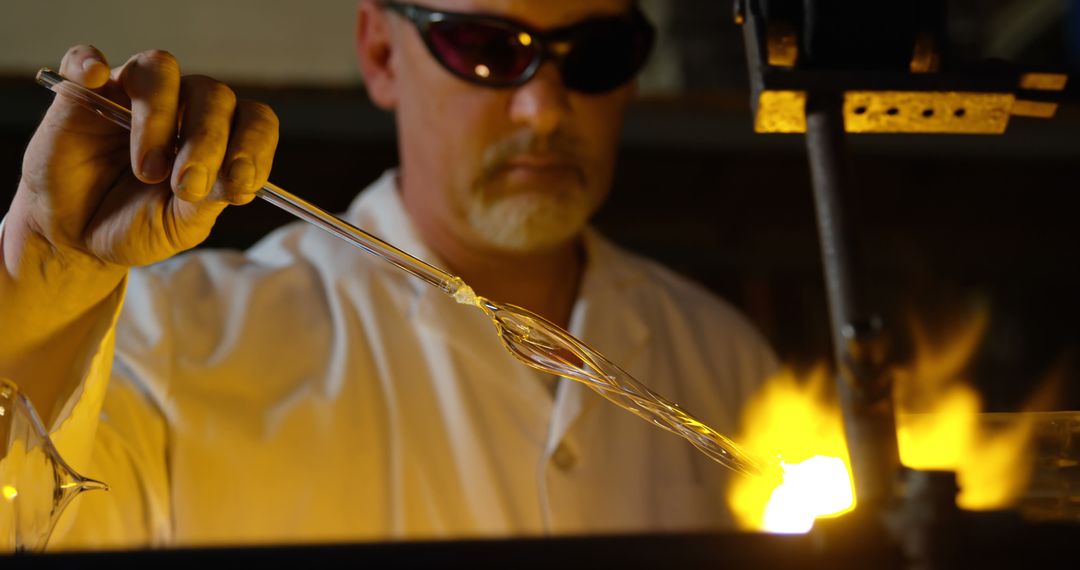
112, 430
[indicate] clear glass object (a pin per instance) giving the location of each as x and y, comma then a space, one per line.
546, 346
36, 485
1053, 490
530, 338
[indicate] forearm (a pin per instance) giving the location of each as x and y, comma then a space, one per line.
52, 306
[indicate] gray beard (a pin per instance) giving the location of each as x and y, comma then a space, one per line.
528, 223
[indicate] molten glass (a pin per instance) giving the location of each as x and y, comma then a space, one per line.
794, 421
545, 346
817, 487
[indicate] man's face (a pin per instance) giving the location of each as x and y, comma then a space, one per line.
518, 169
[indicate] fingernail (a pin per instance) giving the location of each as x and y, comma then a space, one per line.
89, 63
155, 165
242, 172
193, 181
241, 198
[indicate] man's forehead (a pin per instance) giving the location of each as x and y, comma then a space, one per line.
538, 13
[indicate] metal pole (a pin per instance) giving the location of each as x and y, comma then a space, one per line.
859, 344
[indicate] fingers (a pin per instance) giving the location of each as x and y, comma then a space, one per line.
250, 153
152, 80
86, 65
223, 146
204, 136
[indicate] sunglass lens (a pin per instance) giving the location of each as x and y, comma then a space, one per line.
606, 55
482, 52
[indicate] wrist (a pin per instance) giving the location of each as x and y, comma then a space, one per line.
34, 270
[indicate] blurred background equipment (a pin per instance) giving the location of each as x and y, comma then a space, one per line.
817, 68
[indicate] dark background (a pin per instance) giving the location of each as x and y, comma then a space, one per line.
944, 224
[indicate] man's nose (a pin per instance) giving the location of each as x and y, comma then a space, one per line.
541, 103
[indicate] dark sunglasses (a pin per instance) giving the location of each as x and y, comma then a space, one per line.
593, 56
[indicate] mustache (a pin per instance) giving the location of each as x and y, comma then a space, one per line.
558, 144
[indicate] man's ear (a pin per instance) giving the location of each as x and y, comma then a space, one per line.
373, 50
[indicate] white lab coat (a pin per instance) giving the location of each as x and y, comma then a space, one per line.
305, 391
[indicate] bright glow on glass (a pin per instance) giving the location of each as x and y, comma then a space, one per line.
813, 488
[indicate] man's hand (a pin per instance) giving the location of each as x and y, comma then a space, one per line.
95, 200
92, 190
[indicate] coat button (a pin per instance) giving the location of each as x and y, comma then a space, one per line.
564, 458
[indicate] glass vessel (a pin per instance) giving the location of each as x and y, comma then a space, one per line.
36, 484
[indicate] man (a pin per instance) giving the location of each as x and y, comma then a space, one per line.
303, 391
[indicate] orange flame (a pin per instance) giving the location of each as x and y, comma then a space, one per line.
796, 424
938, 427
938, 423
